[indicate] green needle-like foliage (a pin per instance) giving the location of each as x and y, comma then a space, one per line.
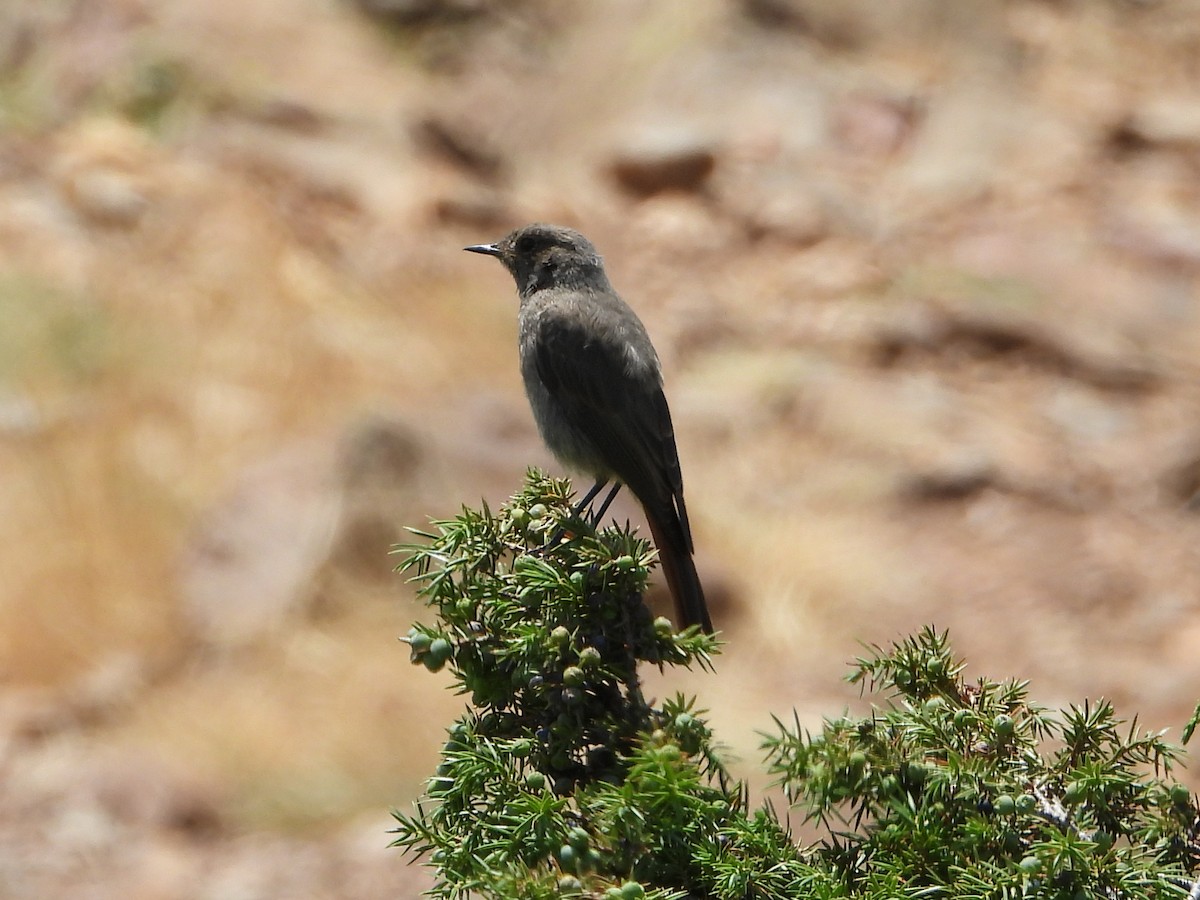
970, 790
561, 779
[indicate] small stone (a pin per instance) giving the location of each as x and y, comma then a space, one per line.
20, 415
873, 125
290, 115
777, 15
483, 209
664, 159
460, 144
378, 463
108, 197
137, 789
777, 207
1164, 121
954, 478
412, 13
103, 168
252, 560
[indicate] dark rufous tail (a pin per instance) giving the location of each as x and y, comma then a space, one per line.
675, 557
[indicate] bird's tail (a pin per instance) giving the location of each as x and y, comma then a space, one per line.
675, 556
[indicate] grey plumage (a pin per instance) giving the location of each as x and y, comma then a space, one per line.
595, 386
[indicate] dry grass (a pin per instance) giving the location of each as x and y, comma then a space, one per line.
306, 729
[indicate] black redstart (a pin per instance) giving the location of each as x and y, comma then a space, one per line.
595, 385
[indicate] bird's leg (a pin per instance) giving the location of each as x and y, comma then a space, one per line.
589, 496
595, 517
599, 514
578, 508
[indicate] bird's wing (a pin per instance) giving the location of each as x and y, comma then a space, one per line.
616, 400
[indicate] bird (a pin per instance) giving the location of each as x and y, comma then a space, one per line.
595, 387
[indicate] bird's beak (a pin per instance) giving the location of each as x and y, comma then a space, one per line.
486, 249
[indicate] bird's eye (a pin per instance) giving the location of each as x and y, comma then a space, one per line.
525, 243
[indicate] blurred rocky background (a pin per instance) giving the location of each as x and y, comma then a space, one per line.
924, 274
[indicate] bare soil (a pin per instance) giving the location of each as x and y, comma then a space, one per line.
925, 279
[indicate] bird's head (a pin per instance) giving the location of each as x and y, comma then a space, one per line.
543, 256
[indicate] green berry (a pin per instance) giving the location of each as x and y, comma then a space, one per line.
1003, 725
624, 563
573, 676
538, 511
1180, 795
632, 890
440, 650
522, 748
419, 642
669, 753
578, 838
568, 858
535, 781
560, 636
1005, 805
442, 781
519, 516
916, 772
663, 627
1026, 804
569, 884
589, 657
